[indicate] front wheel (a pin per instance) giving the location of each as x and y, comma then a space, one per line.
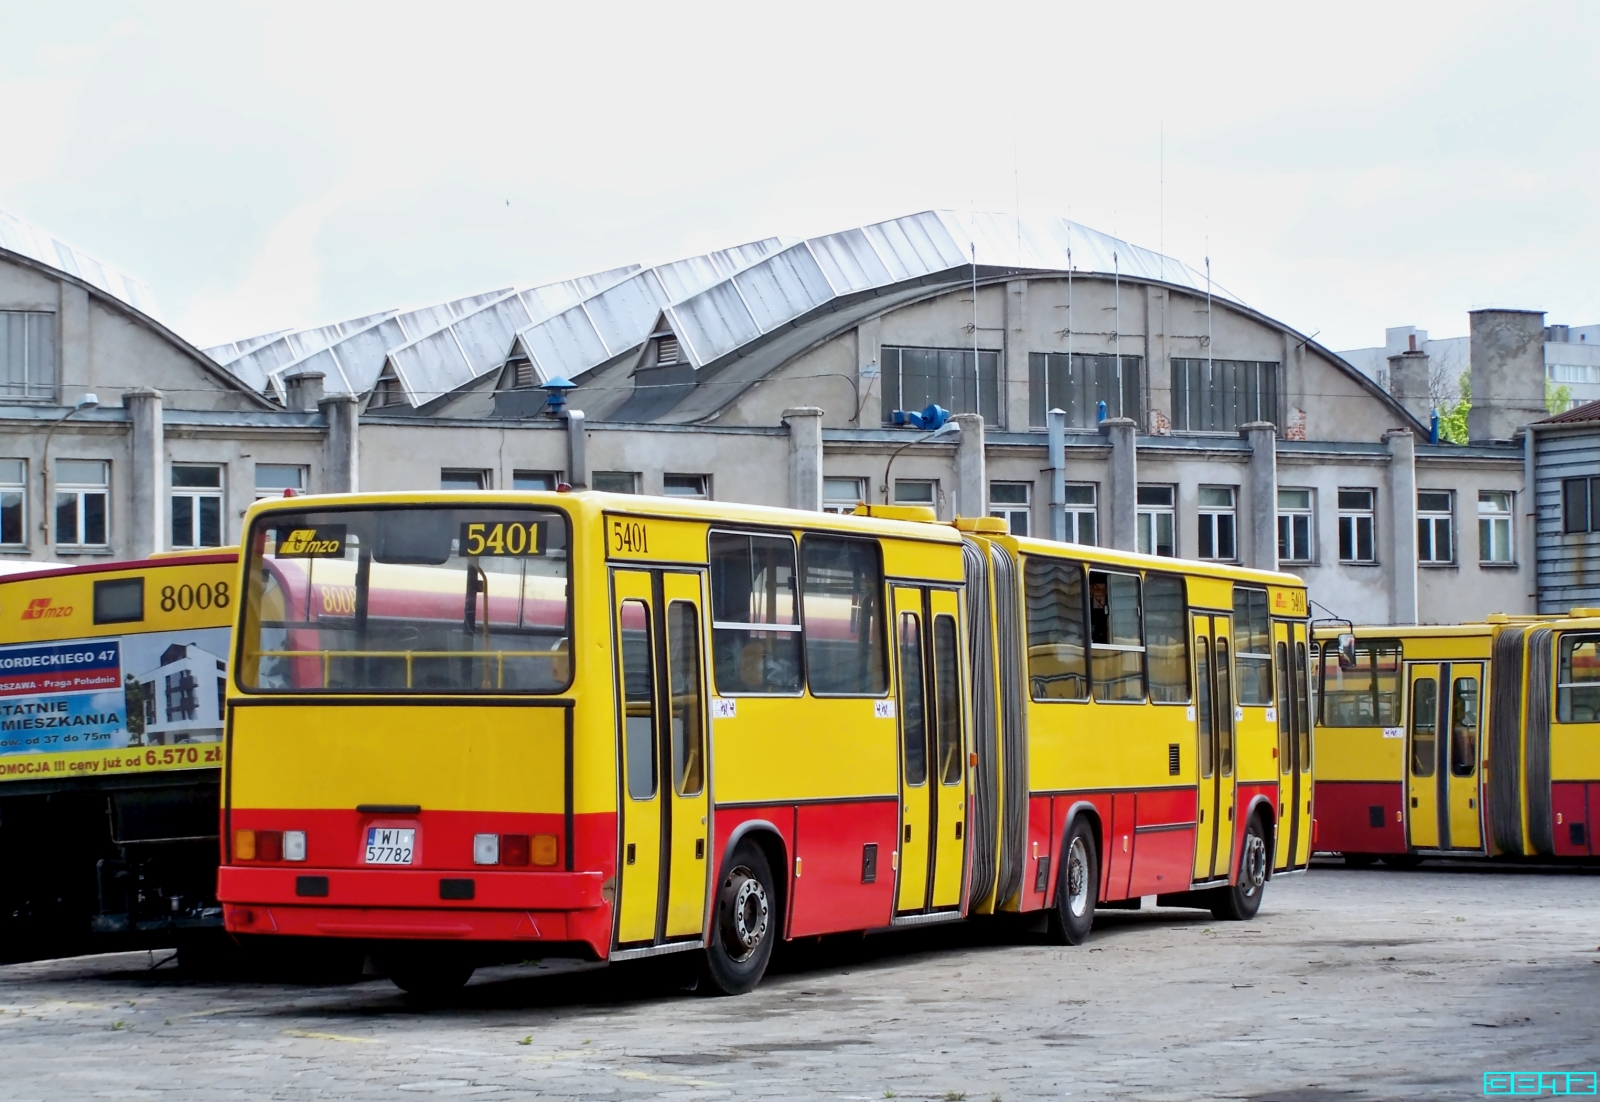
1241, 900
1078, 884
745, 924
428, 975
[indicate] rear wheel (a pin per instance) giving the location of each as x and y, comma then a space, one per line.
428, 974
1401, 860
1241, 900
1077, 886
1360, 860
745, 924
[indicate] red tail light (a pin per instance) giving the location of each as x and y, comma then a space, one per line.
514, 849
269, 845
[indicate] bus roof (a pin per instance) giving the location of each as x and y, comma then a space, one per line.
1194, 567
161, 558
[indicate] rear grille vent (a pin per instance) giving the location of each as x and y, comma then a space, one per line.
666, 351
1172, 758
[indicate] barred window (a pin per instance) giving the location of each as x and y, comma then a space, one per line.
914, 378
1221, 395
1078, 383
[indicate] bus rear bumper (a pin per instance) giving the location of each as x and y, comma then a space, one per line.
383, 904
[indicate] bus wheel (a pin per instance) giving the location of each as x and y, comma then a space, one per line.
746, 924
1240, 902
1078, 886
1360, 860
428, 975
1401, 860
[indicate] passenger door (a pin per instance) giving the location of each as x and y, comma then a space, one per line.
1214, 726
949, 748
917, 808
660, 675
1462, 753
1422, 757
1289, 657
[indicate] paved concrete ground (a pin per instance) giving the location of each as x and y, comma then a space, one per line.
1350, 985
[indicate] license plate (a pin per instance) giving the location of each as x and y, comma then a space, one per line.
390, 846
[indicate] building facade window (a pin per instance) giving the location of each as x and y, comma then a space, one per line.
914, 378
273, 479
1436, 526
842, 495
27, 355
615, 482
1296, 526
1077, 384
1357, 526
1494, 526
1221, 395
1157, 520
83, 502
686, 485
13, 502
916, 491
1218, 524
463, 478
1010, 502
195, 507
535, 480
1081, 513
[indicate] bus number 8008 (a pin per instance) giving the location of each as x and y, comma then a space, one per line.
186, 597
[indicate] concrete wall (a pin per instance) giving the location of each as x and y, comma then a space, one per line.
1507, 372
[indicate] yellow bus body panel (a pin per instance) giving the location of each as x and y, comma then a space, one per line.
455, 757
829, 747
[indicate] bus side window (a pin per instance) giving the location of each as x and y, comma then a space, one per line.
683, 666
1303, 702
1285, 721
1166, 638
913, 712
1252, 633
1058, 639
1424, 721
1116, 636
947, 698
639, 700
755, 619
1464, 727
842, 594
1578, 679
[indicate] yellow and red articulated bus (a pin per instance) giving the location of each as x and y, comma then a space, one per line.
112, 681
1471, 740
470, 728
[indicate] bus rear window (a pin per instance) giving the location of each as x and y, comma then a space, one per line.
1368, 693
417, 599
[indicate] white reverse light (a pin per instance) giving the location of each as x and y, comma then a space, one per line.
294, 845
486, 849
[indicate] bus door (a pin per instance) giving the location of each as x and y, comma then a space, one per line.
664, 797
1462, 802
1289, 659
932, 749
1214, 726
1425, 810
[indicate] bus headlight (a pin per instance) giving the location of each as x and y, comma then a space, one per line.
486, 849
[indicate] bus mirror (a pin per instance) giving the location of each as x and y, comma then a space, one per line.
418, 537
1347, 651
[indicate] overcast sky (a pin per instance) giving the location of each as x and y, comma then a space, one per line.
265, 165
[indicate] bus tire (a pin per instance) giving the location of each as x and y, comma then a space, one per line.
1360, 860
428, 975
1402, 860
1240, 901
1077, 887
744, 924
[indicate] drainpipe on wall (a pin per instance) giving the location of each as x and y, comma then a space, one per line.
1057, 423
1530, 515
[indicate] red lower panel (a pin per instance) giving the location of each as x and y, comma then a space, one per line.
408, 888
412, 925
1569, 804
1040, 857
336, 838
1119, 844
1061, 811
781, 818
1359, 816
1163, 843
830, 895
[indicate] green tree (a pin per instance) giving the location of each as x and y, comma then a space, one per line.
1557, 399
133, 693
1453, 417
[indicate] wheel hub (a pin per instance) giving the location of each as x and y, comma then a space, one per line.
1253, 868
1077, 877
745, 914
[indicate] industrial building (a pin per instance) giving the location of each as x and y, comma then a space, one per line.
775, 372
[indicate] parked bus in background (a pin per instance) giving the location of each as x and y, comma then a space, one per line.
1472, 740
112, 681
475, 727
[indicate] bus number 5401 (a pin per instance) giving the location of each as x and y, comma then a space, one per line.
629, 536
